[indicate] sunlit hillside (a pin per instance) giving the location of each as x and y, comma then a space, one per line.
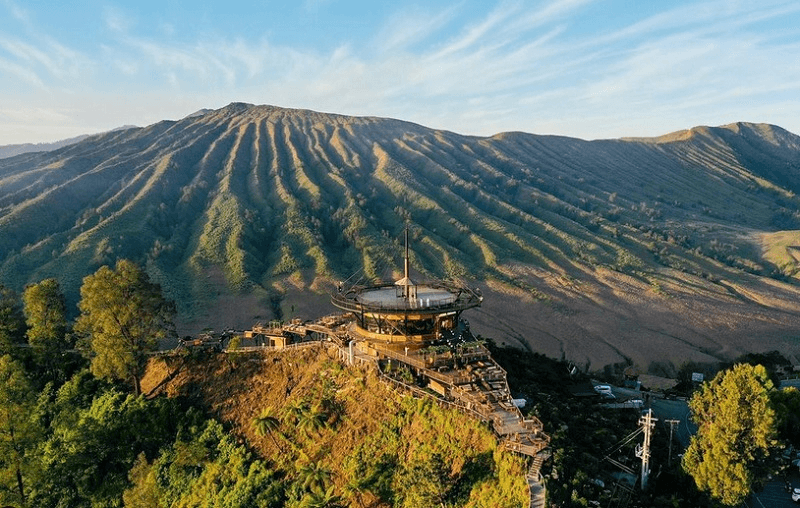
643, 251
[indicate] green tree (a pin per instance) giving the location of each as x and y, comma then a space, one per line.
45, 314
46, 317
123, 315
312, 420
12, 320
294, 411
268, 424
736, 428
786, 403
318, 498
87, 458
425, 481
205, 467
314, 475
144, 490
18, 431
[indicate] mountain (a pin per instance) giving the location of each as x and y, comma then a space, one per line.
12, 150
650, 252
18, 149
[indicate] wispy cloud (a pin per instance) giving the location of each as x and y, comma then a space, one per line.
514, 67
116, 20
16, 12
21, 72
38, 58
412, 27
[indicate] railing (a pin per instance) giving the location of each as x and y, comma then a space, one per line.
425, 358
448, 403
526, 449
463, 298
253, 349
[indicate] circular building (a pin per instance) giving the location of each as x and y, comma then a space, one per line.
403, 315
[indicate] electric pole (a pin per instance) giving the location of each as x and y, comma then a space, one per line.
648, 423
672, 424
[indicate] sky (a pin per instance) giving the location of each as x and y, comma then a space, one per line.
582, 68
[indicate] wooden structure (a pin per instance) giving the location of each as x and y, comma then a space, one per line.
417, 329
279, 335
402, 315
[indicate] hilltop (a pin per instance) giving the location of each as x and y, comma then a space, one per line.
635, 251
379, 447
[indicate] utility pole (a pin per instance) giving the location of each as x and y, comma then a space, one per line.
648, 423
672, 424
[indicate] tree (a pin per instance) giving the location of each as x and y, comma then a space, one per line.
144, 490
736, 428
268, 424
786, 403
425, 481
18, 431
12, 320
294, 411
204, 467
94, 442
315, 476
318, 498
45, 313
312, 420
123, 315
46, 317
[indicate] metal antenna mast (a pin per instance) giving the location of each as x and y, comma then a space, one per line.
406, 264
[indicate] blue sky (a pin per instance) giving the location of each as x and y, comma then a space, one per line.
582, 68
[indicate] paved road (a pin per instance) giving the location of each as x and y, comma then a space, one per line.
774, 495
663, 410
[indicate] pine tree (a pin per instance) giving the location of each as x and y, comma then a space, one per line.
46, 317
123, 315
18, 431
12, 320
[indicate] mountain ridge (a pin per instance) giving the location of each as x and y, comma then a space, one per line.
254, 212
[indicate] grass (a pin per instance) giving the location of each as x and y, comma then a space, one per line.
782, 249
371, 438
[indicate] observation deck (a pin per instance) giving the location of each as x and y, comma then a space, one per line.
404, 315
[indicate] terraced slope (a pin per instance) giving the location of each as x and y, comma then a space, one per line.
644, 251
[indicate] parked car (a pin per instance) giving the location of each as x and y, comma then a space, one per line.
635, 403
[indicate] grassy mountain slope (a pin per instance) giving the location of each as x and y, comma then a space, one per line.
378, 446
646, 251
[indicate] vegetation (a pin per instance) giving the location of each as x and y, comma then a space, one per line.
82, 439
736, 429
300, 430
12, 320
204, 467
123, 315
18, 431
46, 317
786, 403
268, 203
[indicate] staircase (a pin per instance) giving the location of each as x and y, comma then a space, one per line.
535, 485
